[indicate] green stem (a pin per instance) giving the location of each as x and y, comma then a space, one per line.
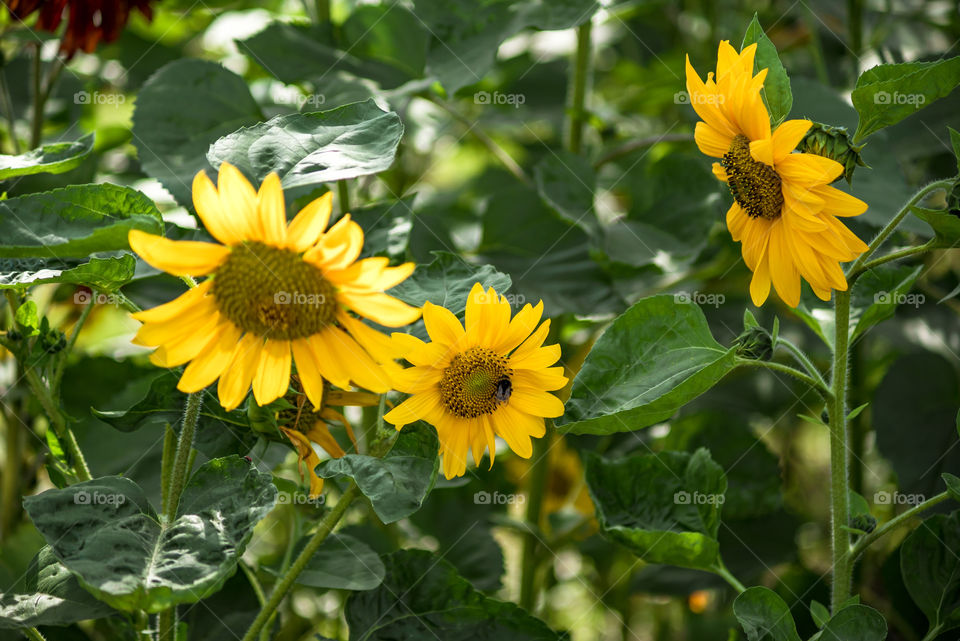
818, 385
889, 228
343, 195
59, 424
901, 519
36, 129
539, 475
62, 362
721, 570
166, 466
933, 633
802, 358
839, 458
167, 619
815, 48
10, 492
286, 582
855, 15
8, 112
33, 634
578, 96
897, 255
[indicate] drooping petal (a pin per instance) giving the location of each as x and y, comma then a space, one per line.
177, 257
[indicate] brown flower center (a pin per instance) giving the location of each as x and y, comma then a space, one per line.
475, 383
273, 293
754, 185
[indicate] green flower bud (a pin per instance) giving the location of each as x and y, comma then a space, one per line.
755, 343
833, 143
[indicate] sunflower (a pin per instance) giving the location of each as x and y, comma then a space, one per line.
276, 293
88, 21
490, 378
306, 423
784, 211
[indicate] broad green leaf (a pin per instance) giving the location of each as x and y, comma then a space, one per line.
106, 533
673, 203
309, 149
664, 507
27, 318
104, 274
945, 224
819, 613
226, 615
398, 483
953, 482
180, 112
54, 597
854, 623
931, 570
74, 221
342, 563
656, 357
54, 158
764, 616
566, 182
467, 34
875, 297
219, 433
447, 282
386, 228
923, 391
423, 597
955, 143
886, 94
389, 34
776, 88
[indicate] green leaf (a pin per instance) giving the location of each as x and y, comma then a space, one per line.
447, 282
764, 616
342, 563
107, 534
819, 613
566, 182
74, 221
931, 570
953, 482
226, 615
664, 507
104, 274
776, 88
386, 228
28, 320
54, 158
955, 143
219, 433
886, 94
854, 623
398, 483
423, 597
875, 297
945, 224
181, 110
309, 149
618, 391
389, 34
54, 597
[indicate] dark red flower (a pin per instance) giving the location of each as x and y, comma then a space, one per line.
88, 21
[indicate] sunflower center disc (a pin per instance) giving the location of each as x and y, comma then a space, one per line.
273, 293
469, 386
754, 185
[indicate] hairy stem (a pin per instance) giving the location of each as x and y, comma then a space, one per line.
818, 385
901, 519
539, 475
579, 83
839, 457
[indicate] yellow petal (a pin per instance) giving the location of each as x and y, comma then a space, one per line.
154, 334
212, 361
547, 379
273, 372
514, 428
710, 141
235, 381
188, 345
381, 308
413, 409
217, 221
762, 151
320, 434
326, 360
760, 284
442, 326
378, 344
783, 271
839, 203
239, 201
361, 367
179, 305
787, 136
177, 257
308, 225
520, 328
308, 370
272, 212
339, 247
536, 403
809, 169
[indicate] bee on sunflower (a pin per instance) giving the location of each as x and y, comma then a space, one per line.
785, 213
276, 294
488, 377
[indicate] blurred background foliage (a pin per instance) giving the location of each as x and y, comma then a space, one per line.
481, 172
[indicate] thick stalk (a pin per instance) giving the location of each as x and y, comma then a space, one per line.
839, 457
539, 474
343, 195
286, 582
36, 127
167, 619
578, 94
10, 492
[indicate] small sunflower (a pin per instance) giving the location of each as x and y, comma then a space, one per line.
276, 293
88, 21
490, 378
784, 211
306, 423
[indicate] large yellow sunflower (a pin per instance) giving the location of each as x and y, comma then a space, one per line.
784, 211
277, 293
490, 378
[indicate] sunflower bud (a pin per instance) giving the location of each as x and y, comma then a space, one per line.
953, 199
263, 419
755, 343
833, 143
863, 522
